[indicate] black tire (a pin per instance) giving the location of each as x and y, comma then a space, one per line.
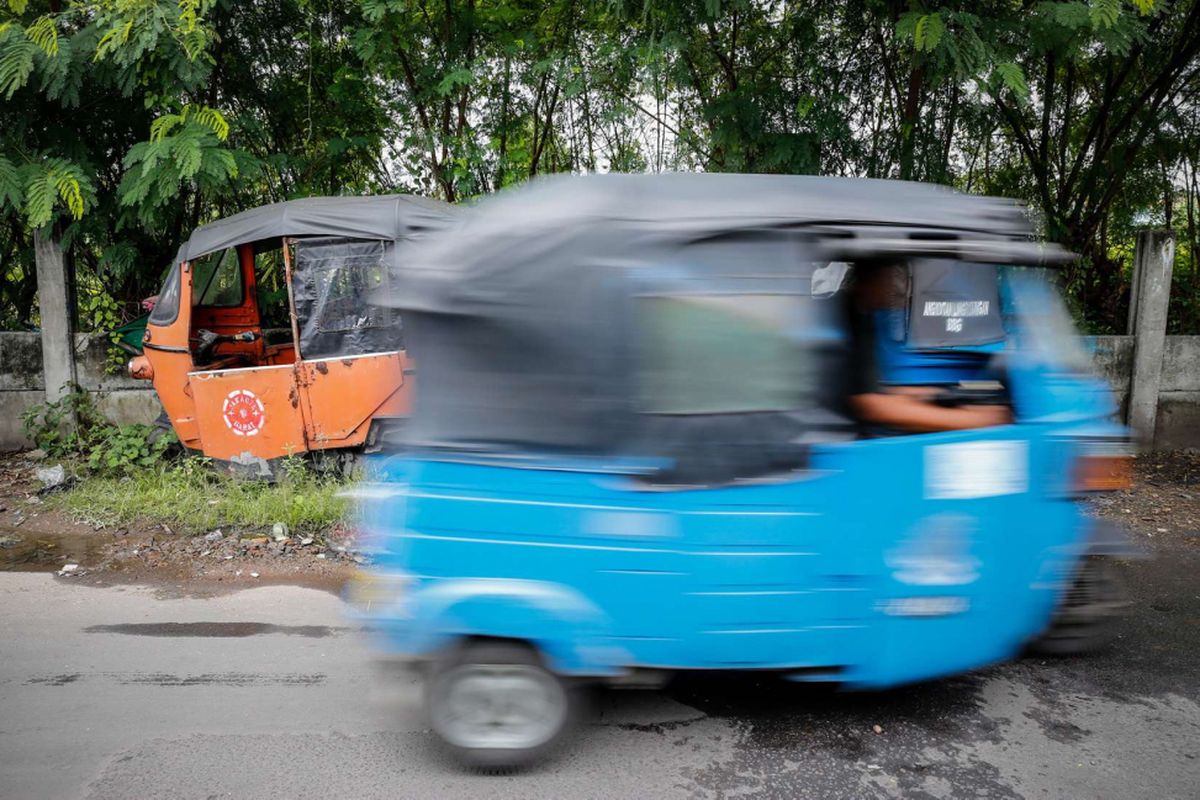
161, 427
1086, 620
499, 674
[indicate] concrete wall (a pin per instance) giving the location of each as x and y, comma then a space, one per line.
122, 399
1178, 423
1179, 394
1113, 358
125, 400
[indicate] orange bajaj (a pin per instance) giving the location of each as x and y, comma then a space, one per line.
263, 342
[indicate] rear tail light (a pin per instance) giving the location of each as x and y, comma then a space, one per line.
1103, 467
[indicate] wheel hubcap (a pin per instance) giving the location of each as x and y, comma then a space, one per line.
499, 706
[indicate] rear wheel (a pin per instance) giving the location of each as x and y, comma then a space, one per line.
160, 428
495, 705
1086, 619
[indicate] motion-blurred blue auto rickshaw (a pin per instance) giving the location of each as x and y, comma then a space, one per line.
631, 450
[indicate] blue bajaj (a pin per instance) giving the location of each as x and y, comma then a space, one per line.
636, 447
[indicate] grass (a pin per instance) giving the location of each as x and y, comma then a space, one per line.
191, 498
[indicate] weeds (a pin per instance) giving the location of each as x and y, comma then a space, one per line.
72, 427
125, 477
192, 498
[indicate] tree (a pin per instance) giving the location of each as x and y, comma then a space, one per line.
129, 122
83, 83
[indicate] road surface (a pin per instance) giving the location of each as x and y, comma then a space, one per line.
133, 692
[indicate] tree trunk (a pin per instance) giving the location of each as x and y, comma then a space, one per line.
908, 122
948, 135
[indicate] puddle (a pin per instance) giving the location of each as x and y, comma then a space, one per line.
22, 551
215, 629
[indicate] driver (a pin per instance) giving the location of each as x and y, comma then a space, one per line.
877, 305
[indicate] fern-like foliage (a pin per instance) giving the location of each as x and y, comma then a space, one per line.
43, 32
51, 183
1012, 77
12, 189
16, 60
203, 116
179, 154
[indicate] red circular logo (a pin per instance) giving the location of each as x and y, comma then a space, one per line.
244, 412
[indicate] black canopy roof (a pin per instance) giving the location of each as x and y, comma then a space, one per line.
513, 238
387, 217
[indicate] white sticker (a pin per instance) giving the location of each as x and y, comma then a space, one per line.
966, 470
936, 552
924, 606
962, 308
628, 523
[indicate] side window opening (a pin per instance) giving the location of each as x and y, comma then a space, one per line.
734, 356
721, 354
217, 280
271, 295
333, 282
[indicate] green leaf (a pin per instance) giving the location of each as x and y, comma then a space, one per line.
928, 32
39, 201
44, 33
187, 153
1073, 15
374, 10
453, 79
906, 26
203, 116
1105, 13
11, 192
47, 184
16, 62
209, 118
115, 37
69, 187
1012, 77
163, 125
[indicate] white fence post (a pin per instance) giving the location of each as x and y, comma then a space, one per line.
58, 337
1154, 258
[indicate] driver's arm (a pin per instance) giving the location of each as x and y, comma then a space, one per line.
908, 412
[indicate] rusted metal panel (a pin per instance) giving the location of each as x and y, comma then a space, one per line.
342, 396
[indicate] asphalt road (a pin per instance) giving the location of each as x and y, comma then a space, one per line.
271, 692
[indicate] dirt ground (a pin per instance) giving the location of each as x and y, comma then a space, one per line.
1164, 503
1162, 508
34, 537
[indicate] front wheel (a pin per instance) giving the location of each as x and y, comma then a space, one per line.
495, 705
1086, 619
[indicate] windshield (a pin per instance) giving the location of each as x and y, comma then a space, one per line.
166, 307
1038, 321
217, 279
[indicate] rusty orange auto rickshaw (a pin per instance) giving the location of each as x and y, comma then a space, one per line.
245, 395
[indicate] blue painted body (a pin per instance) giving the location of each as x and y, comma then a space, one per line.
861, 569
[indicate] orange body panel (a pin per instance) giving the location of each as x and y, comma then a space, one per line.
252, 411
167, 349
342, 395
